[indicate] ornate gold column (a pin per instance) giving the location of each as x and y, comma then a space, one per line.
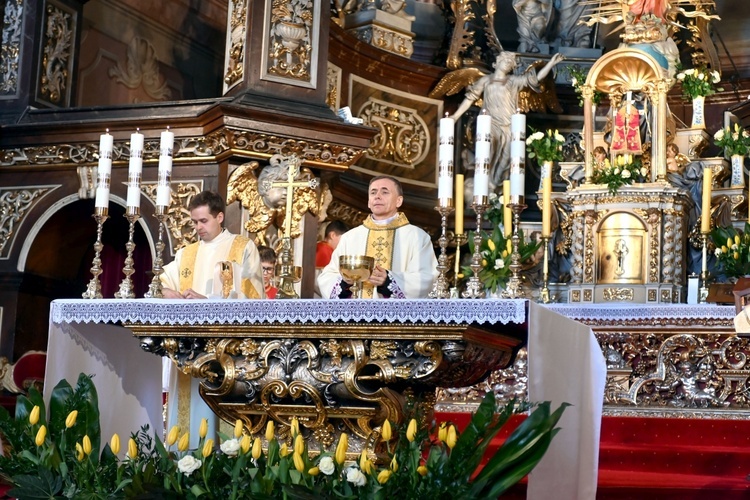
658, 96
588, 137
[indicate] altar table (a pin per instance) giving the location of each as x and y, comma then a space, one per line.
565, 362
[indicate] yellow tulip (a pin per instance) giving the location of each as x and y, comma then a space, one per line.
491, 245
238, 428
422, 470
367, 467
299, 445
504, 254
341, 448
245, 443
484, 262
71, 420
394, 464
41, 434
132, 449
203, 429
509, 245
174, 433
208, 448
384, 475
724, 249
79, 452
184, 442
114, 444
257, 450
737, 239
284, 450
452, 438
386, 432
87, 444
363, 460
443, 432
299, 464
295, 427
730, 242
314, 471
270, 430
411, 431
736, 255
34, 415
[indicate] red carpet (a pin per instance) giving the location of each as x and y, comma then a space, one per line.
664, 458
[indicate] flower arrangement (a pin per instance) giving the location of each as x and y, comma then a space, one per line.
626, 170
732, 250
545, 147
577, 77
699, 82
59, 457
496, 249
734, 141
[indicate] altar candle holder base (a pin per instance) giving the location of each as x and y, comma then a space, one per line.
155, 289
460, 240
440, 289
287, 270
514, 289
544, 295
94, 288
475, 287
126, 285
703, 290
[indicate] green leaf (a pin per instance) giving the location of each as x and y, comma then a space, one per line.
43, 485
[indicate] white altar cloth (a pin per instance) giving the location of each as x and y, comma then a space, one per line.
565, 362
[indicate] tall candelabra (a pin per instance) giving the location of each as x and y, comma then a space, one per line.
703, 290
440, 290
94, 288
126, 285
544, 296
514, 289
475, 287
155, 289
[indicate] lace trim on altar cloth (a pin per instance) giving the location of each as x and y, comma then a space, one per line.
190, 312
613, 312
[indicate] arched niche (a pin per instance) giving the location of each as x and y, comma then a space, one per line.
621, 249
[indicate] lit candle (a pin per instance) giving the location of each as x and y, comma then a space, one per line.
104, 170
706, 205
518, 127
445, 162
135, 169
546, 204
163, 187
459, 203
507, 215
482, 155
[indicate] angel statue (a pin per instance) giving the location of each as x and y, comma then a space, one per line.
266, 204
500, 94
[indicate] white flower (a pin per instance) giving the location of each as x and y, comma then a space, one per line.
188, 464
719, 135
493, 196
230, 447
499, 263
356, 477
717, 252
644, 171
574, 81
680, 76
690, 71
617, 171
559, 137
716, 77
326, 465
734, 247
625, 173
701, 76
536, 136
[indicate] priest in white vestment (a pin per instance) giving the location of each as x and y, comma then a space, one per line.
405, 263
220, 265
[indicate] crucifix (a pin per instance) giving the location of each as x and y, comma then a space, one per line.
287, 272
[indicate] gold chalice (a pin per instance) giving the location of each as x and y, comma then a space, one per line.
356, 268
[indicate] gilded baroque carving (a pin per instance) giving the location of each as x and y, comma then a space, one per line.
14, 205
235, 49
333, 94
10, 52
651, 297
669, 245
576, 270
58, 44
618, 294
588, 295
402, 137
346, 213
591, 218
290, 39
679, 235
385, 39
141, 70
181, 230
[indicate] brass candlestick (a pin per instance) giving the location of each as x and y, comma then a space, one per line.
513, 289
94, 288
288, 273
475, 287
544, 296
460, 240
703, 290
440, 287
126, 285
154, 289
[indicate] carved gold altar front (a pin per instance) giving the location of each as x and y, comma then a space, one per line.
334, 377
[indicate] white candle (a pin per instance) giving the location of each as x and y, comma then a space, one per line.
517, 167
135, 169
518, 127
104, 170
445, 161
518, 149
163, 187
482, 150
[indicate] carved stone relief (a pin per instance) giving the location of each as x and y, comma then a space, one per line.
15, 203
141, 70
10, 52
57, 56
